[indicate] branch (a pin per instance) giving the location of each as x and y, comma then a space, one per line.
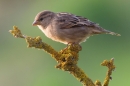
66, 58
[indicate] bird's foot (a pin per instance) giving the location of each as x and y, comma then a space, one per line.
72, 47
73, 44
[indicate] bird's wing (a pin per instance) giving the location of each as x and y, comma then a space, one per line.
67, 20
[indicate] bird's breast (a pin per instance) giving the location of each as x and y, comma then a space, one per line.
50, 31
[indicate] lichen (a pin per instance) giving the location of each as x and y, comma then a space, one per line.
67, 58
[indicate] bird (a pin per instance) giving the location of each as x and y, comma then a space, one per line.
66, 27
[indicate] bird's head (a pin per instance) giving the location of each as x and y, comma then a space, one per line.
43, 18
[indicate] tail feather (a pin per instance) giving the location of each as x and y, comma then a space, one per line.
112, 33
99, 30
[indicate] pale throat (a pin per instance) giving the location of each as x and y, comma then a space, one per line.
44, 30
41, 28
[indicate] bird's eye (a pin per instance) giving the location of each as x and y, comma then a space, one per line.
41, 19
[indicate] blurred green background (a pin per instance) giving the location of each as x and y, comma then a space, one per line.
22, 66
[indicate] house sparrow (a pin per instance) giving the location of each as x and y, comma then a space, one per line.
67, 28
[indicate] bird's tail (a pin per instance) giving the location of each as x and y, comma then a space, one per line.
110, 32
100, 30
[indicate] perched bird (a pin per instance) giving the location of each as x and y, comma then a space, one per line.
67, 28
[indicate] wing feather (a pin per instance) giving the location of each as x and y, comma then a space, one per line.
67, 20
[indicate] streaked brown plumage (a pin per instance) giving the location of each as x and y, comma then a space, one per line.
67, 28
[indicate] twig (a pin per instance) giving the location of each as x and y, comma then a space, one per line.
67, 58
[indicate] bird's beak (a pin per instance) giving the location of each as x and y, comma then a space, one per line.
35, 23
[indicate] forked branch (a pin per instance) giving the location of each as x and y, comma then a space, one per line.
66, 58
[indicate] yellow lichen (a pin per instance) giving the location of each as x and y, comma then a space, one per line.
16, 32
98, 83
111, 67
67, 58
